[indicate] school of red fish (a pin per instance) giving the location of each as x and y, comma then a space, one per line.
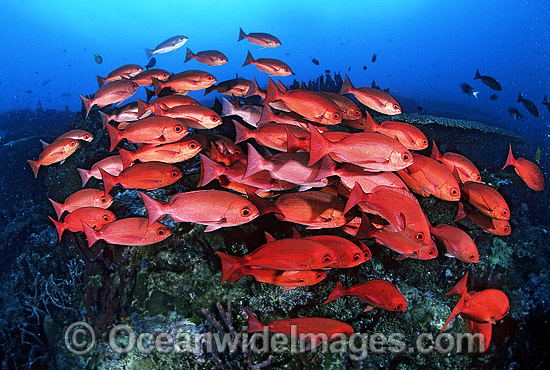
360, 180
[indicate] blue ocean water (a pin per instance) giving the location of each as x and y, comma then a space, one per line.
425, 49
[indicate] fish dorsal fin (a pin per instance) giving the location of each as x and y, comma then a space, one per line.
269, 237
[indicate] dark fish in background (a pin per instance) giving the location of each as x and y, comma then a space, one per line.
315, 61
529, 105
45, 82
420, 109
327, 70
374, 56
364, 68
29, 91
98, 59
515, 113
151, 63
64, 50
469, 90
66, 94
349, 69
545, 102
494, 97
489, 81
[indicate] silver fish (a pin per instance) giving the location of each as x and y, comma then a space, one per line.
167, 46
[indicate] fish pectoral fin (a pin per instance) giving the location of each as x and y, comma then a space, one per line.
401, 257
369, 307
289, 287
313, 227
449, 255
377, 160
210, 228
290, 273
402, 221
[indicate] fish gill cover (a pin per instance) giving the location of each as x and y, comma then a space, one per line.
231, 165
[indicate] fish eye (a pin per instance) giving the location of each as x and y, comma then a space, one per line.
86, 136
431, 252
454, 192
472, 256
504, 212
506, 229
134, 85
356, 257
414, 253
72, 143
336, 116
399, 307
319, 275
424, 141
165, 74
193, 145
420, 236
178, 128
175, 173
237, 152
210, 77
214, 119
106, 218
246, 212
478, 178
395, 106
181, 39
356, 113
103, 199
161, 232
327, 258
406, 156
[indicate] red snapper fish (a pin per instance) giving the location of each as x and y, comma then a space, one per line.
372, 151
408, 135
213, 208
168, 153
80, 199
194, 116
112, 165
376, 293
73, 134
487, 224
114, 92
315, 329
466, 170
288, 279
97, 218
457, 242
186, 81
166, 102
350, 111
147, 175
258, 38
208, 57
236, 86
283, 254
486, 199
150, 130
124, 115
431, 177
57, 151
487, 306
128, 231
529, 172
375, 99
273, 67
271, 135
145, 77
307, 104
125, 72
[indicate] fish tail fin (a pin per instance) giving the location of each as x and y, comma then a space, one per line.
228, 109
510, 160
461, 289
371, 124
34, 166
272, 93
474, 93
209, 89
157, 110
100, 81
127, 157
189, 55
58, 208
237, 275
254, 325
210, 170
436, 154
230, 264
267, 115
105, 118
366, 228
520, 98
84, 175
293, 143
254, 88
355, 196
142, 107
338, 291
59, 226
44, 144
155, 209
319, 146
91, 234
115, 135
242, 35
149, 53
87, 104
241, 133
255, 163
249, 59
109, 181
347, 86
158, 85
461, 213
296, 234
327, 168
264, 206
149, 93
478, 75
